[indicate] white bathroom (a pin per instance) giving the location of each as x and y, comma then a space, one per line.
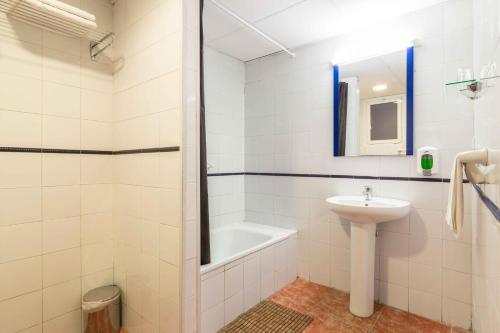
249, 166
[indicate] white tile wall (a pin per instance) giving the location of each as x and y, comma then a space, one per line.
191, 294
43, 251
226, 200
485, 231
225, 106
236, 287
147, 193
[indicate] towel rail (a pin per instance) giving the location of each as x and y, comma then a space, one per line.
492, 207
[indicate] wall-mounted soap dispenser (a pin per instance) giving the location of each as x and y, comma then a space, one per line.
428, 161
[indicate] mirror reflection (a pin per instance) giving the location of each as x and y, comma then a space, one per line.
373, 98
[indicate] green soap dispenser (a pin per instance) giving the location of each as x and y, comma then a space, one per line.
427, 161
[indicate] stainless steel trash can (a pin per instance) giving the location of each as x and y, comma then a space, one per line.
102, 310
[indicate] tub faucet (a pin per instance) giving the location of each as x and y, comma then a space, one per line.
367, 192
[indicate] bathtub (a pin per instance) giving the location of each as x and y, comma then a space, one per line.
249, 263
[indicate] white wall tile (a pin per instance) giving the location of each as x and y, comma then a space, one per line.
60, 169
457, 286
24, 94
394, 271
169, 244
394, 295
425, 305
61, 67
96, 105
61, 299
425, 278
96, 169
96, 135
61, 133
457, 256
61, 202
41, 107
96, 198
53, 262
457, 314
20, 241
19, 129
97, 257
21, 58
96, 228
426, 250
61, 100
20, 205
68, 323
21, 312
19, 170
61, 234
20, 277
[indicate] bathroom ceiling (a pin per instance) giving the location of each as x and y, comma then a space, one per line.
293, 22
388, 70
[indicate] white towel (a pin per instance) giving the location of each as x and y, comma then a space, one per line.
455, 211
53, 12
70, 9
481, 167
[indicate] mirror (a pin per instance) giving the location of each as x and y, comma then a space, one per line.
373, 106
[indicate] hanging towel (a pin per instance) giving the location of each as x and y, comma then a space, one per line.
54, 15
455, 211
481, 167
69, 9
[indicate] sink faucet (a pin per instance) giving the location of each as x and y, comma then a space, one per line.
367, 192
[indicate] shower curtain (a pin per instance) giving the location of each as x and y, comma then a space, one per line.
343, 90
204, 213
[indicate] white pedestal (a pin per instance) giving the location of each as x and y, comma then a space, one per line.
362, 268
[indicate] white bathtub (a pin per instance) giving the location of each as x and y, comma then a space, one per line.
249, 263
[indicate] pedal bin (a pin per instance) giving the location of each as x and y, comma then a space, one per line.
102, 310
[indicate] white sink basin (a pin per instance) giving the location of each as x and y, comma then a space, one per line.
364, 214
376, 210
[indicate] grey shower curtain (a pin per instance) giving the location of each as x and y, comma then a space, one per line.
343, 90
204, 213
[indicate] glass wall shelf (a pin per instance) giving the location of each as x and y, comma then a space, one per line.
472, 88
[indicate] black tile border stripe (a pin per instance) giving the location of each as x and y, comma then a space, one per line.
88, 152
307, 175
147, 150
226, 174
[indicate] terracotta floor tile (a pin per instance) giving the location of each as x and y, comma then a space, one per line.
330, 311
397, 321
458, 330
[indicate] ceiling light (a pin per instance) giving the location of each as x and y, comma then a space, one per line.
380, 87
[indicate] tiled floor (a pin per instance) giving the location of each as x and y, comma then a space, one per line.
330, 310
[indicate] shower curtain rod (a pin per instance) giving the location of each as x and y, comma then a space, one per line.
252, 27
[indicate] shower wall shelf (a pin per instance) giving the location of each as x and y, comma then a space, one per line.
473, 88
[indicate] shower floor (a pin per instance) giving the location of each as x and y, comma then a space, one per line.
330, 310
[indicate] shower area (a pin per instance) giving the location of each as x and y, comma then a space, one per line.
91, 161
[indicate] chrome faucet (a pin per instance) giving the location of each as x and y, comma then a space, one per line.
367, 192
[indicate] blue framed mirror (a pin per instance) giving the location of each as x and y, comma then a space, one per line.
373, 106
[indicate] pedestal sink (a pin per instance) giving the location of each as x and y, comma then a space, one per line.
364, 213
